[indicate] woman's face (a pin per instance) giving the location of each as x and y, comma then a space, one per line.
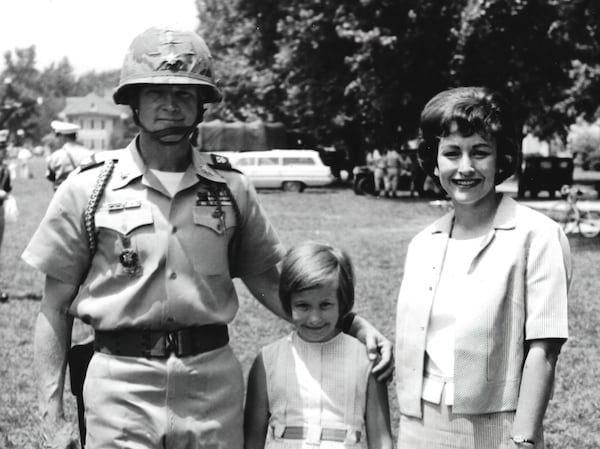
467, 167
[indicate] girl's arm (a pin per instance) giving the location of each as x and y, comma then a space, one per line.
379, 433
256, 412
536, 387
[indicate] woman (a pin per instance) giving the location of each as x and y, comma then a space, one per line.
482, 310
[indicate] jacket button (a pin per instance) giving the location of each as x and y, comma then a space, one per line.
173, 275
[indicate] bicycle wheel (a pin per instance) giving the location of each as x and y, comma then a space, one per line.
563, 213
589, 223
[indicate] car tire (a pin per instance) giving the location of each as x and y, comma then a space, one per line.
363, 187
292, 186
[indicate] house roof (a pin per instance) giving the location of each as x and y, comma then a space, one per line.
92, 104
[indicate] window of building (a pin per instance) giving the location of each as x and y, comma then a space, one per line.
101, 124
92, 124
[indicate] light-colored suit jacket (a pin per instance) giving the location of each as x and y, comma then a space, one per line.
516, 290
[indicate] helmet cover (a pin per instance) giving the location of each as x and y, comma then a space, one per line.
163, 55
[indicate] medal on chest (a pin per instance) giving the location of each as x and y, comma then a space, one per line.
217, 197
129, 259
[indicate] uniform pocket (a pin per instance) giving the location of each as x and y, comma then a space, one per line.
218, 221
211, 236
124, 221
119, 234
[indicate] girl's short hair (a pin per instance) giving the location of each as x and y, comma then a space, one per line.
312, 264
472, 110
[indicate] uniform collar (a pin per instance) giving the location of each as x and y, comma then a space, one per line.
131, 167
505, 217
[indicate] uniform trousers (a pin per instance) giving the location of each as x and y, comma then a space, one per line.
175, 403
441, 429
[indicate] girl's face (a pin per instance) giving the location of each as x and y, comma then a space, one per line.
467, 168
316, 311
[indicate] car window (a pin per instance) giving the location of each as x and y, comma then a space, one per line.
268, 161
298, 161
245, 161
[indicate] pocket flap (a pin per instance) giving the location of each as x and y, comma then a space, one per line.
206, 216
124, 220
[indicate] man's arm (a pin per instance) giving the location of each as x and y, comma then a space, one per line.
536, 387
52, 340
265, 288
256, 411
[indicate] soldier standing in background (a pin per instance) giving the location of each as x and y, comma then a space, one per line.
70, 154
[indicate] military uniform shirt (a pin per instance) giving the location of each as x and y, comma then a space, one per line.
161, 262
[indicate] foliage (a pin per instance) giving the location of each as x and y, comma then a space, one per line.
584, 138
359, 71
31, 99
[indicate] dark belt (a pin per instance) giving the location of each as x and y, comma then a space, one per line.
301, 433
160, 344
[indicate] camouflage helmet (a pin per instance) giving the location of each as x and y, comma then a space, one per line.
162, 55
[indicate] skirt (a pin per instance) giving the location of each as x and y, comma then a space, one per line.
176, 403
441, 429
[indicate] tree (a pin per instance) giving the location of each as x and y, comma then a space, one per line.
360, 71
19, 97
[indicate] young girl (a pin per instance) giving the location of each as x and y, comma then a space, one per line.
314, 388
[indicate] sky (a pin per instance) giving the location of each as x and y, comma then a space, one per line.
92, 34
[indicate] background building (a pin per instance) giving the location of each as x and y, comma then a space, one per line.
101, 121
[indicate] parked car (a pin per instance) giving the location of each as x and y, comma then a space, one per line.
545, 174
289, 170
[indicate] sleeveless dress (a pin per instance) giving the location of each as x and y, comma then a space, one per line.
316, 389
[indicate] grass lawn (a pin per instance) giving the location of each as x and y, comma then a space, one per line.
375, 233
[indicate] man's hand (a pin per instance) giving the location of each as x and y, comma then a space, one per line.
379, 349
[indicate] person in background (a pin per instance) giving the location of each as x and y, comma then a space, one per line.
5, 189
406, 170
68, 156
482, 309
143, 244
315, 385
392, 164
379, 172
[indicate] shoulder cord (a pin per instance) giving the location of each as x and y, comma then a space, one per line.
90, 210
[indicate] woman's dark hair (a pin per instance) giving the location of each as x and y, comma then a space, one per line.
312, 264
473, 110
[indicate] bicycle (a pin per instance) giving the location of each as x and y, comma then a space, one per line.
573, 219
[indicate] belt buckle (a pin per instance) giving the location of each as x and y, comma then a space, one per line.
172, 343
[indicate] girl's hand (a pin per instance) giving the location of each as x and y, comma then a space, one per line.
3, 194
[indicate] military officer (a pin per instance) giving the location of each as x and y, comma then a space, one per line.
68, 157
142, 243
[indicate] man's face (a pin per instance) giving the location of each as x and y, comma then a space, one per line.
163, 106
